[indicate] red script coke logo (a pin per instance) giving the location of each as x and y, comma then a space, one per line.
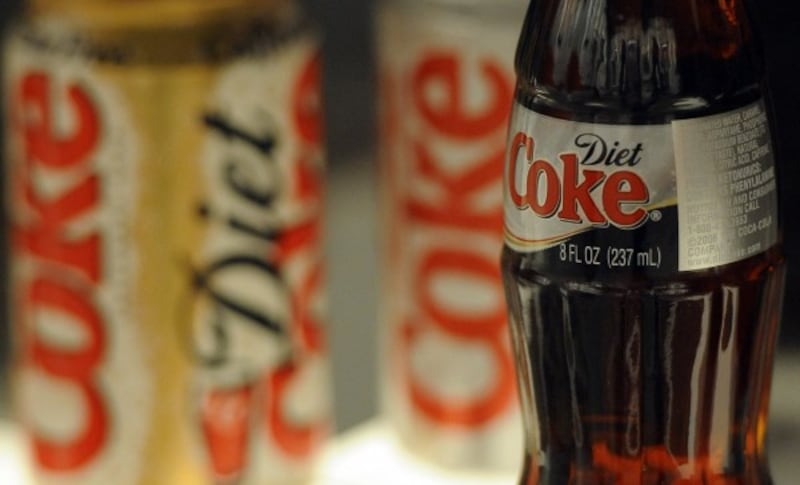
66, 256
451, 119
580, 194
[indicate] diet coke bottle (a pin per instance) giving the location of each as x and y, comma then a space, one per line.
643, 265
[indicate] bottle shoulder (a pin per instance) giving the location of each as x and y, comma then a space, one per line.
612, 110
648, 63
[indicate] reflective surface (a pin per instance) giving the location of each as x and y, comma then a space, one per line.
640, 376
650, 384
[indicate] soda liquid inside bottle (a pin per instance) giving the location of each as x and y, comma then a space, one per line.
642, 265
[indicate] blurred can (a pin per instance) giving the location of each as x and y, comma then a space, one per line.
446, 85
164, 175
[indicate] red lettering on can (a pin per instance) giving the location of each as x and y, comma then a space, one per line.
47, 238
301, 439
296, 439
226, 425
488, 328
67, 267
448, 118
471, 413
452, 118
453, 209
41, 142
307, 102
448, 262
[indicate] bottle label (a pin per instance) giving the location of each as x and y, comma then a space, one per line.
684, 196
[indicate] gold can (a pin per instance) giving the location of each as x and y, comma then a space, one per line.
165, 165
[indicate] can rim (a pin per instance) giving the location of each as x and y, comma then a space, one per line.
479, 10
471, 3
149, 13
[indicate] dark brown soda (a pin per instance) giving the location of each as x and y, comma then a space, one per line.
636, 378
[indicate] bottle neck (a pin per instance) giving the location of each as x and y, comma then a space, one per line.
634, 54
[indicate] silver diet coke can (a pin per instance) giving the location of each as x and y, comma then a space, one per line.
446, 86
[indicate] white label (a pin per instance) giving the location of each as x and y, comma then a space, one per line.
564, 178
727, 191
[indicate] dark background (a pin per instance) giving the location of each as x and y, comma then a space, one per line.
350, 111
780, 31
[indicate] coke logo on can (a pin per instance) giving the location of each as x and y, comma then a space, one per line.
67, 259
446, 112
